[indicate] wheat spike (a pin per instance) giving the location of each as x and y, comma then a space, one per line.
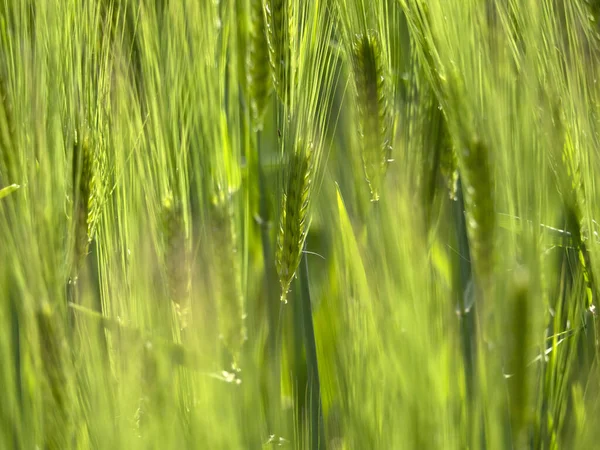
258, 64
87, 195
479, 206
280, 36
176, 258
371, 90
449, 168
228, 275
7, 136
295, 219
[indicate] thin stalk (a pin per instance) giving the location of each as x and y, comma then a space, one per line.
16, 348
270, 279
467, 312
271, 353
299, 367
467, 317
317, 430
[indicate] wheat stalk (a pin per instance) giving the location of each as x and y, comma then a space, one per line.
54, 355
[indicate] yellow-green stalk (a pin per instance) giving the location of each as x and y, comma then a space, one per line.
59, 399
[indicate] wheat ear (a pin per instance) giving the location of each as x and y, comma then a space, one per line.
295, 219
374, 120
87, 195
280, 37
258, 63
228, 274
477, 188
176, 258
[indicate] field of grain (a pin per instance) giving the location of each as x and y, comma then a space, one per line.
324, 224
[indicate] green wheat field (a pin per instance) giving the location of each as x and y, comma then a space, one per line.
299, 224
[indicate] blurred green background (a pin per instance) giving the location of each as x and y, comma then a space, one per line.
334, 224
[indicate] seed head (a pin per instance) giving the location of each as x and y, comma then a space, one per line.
176, 257
294, 221
228, 287
280, 38
88, 165
374, 119
258, 63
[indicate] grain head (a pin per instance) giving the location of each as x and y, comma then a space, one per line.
372, 98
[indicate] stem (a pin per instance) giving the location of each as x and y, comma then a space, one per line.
467, 325
467, 317
272, 380
299, 363
16, 348
270, 279
317, 430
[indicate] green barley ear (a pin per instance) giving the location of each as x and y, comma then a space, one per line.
227, 264
87, 195
437, 157
280, 36
258, 63
295, 219
370, 83
176, 258
479, 206
449, 168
